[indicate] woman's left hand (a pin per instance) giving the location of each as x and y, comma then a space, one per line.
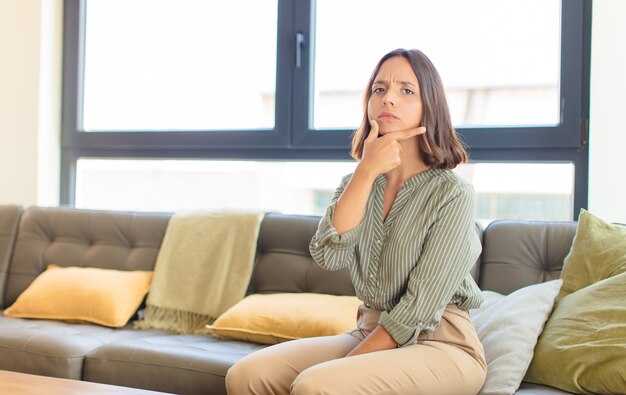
379, 339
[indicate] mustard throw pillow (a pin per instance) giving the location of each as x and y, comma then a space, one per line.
100, 296
583, 346
274, 318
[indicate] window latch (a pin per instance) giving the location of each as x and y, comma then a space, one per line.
299, 47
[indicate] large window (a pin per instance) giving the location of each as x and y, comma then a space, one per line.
264, 85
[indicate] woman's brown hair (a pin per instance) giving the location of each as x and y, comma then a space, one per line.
440, 146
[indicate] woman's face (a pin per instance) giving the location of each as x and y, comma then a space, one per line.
395, 101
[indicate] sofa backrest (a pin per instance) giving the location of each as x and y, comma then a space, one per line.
520, 253
284, 264
85, 238
9, 220
515, 253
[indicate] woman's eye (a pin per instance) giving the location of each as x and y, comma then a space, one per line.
378, 90
409, 92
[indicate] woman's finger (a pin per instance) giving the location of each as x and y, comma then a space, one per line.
407, 133
373, 135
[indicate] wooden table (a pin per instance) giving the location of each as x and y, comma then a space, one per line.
13, 383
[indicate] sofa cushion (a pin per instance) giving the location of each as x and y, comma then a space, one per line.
589, 319
508, 327
181, 364
536, 389
274, 318
100, 296
55, 348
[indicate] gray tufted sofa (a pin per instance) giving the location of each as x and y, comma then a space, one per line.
515, 254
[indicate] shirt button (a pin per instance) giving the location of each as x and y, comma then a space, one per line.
371, 276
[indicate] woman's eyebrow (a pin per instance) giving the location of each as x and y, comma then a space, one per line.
383, 82
407, 83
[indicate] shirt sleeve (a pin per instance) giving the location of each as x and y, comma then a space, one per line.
450, 250
330, 250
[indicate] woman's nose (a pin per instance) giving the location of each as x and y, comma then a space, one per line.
388, 98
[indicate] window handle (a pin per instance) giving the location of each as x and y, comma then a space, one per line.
299, 46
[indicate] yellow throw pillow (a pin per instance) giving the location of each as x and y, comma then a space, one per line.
101, 296
582, 348
274, 318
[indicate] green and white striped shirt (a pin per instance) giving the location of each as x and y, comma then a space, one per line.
414, 263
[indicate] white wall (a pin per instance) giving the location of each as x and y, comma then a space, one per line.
30, 78
30, 97
607, 135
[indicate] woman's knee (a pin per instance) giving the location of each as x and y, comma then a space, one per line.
254, 374
306, 383
245, 377
236, 381
319, 380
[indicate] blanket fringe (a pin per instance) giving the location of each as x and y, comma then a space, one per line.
182, 322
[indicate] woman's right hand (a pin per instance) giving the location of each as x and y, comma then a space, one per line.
380, 154
383, 154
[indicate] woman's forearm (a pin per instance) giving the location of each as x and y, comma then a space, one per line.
350, 207
378, 340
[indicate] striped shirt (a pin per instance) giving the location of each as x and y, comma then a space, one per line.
416, 261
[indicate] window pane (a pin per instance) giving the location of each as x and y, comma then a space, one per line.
164, 65
512, 191
169, 185
499, 60
537, 191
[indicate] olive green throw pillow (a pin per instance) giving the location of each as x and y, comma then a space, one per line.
598, 252
582, 348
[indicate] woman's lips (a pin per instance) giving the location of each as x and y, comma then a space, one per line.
387, 116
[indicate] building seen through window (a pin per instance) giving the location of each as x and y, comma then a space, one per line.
503, 190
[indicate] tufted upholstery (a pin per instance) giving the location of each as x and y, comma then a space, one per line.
9, 219
130, 241
183, 364
55, 348
284, 263
70, 237
85, 238
520, 253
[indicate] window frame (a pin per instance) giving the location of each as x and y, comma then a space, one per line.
293, 137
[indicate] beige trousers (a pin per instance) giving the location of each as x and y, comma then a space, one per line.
449, 360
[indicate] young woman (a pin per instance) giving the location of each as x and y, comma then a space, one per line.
403, 224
